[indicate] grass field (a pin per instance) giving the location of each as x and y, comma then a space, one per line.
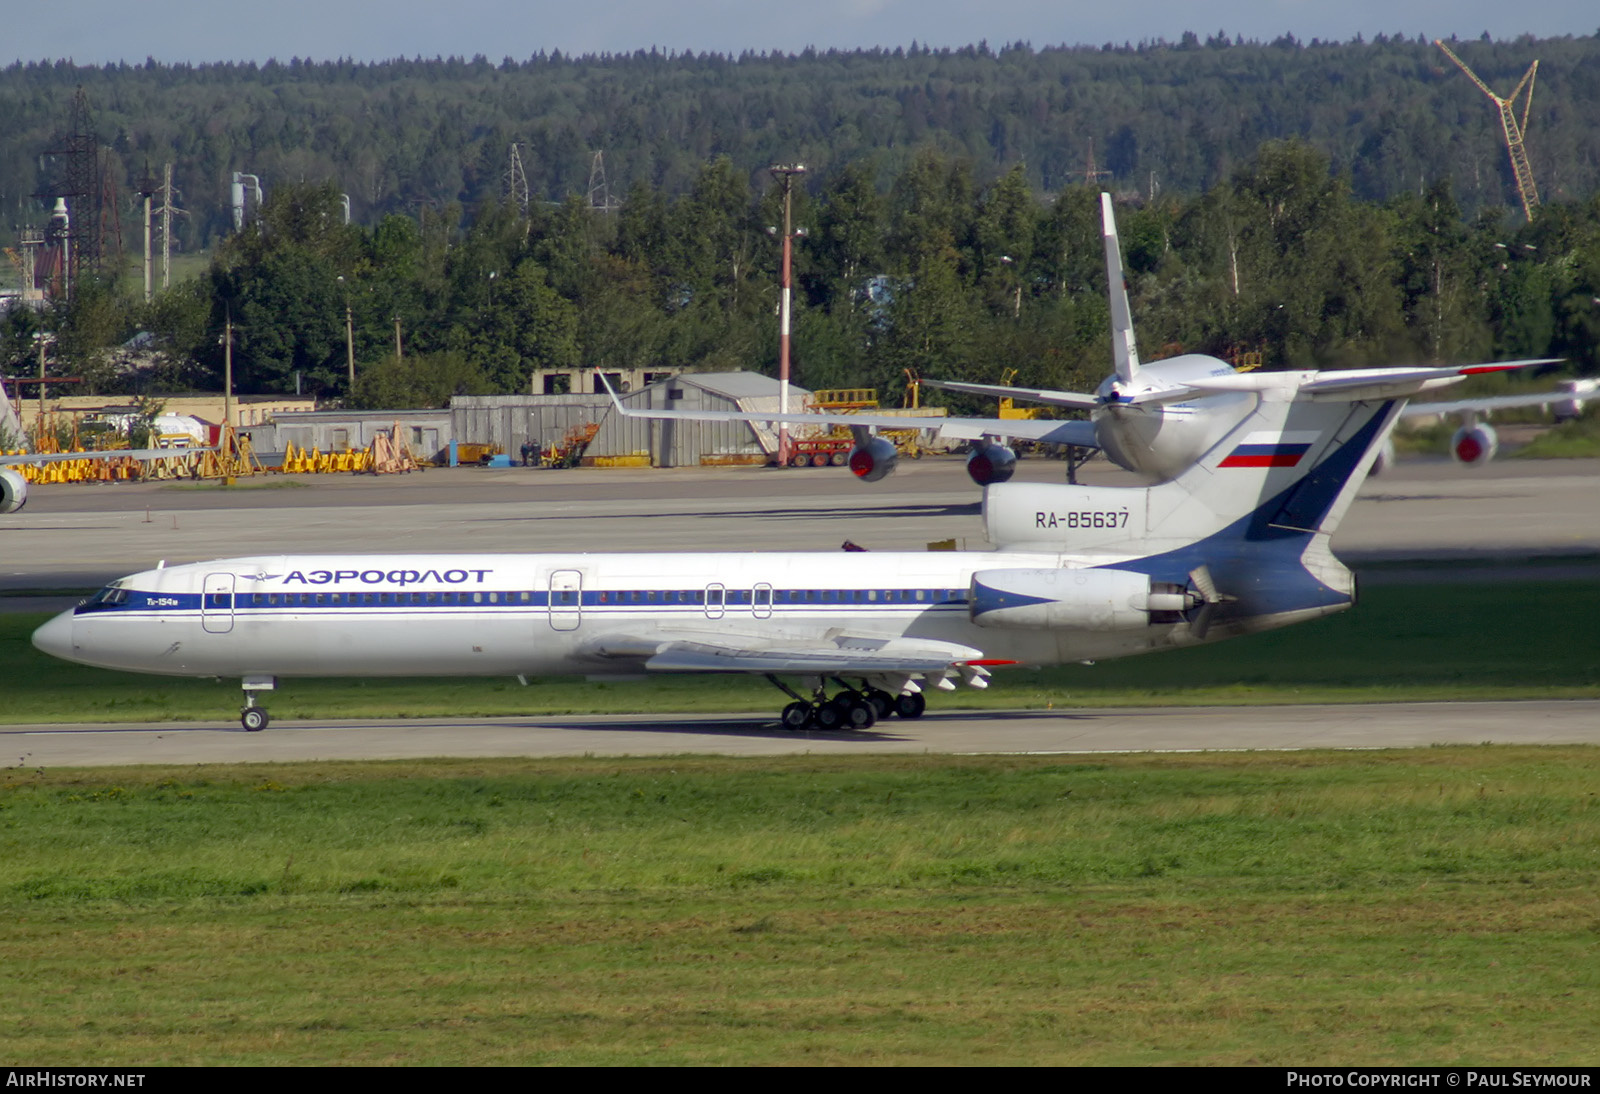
1448, 640
1577, 439
1432, 906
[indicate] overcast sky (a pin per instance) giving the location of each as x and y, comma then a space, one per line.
97, 31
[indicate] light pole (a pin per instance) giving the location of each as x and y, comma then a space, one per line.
785, 173
227, 369
349, 336
1008, 261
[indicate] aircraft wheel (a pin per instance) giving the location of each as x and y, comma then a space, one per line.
830, 716
796, 716
882, 702
858, 713
910, 705
254, 719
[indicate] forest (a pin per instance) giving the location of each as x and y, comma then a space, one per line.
1318, 204
1393, 114
939, 276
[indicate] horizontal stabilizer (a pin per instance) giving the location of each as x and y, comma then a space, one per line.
1074, 399
1350, 385
1387, 383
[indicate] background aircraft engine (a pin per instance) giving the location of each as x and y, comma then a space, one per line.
13, 491
991, 463
1474, 444
1089, 599
873, 460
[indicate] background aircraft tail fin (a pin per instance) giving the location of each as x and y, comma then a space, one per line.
1124, 351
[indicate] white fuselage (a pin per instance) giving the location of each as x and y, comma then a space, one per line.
593, 614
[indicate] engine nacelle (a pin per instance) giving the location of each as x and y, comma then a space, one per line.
13, 491
1474, 444
1086, 599
991, 463
872, 461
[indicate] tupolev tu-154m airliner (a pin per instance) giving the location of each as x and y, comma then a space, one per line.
1236, 543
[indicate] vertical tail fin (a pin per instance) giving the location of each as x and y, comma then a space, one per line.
1245, 531
1286, 471
1124, 351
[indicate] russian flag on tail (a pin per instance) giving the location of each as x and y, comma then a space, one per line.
1270, 449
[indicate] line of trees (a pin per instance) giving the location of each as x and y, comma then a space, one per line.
937, 275
1392, 114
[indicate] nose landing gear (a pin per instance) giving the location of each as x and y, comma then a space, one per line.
254, 718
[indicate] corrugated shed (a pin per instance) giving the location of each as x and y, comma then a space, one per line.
511, 421
428, 432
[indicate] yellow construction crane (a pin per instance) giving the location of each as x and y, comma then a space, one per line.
1514, 128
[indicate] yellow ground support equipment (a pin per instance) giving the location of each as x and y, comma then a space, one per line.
570, 450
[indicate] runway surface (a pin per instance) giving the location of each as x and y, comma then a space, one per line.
1385, 725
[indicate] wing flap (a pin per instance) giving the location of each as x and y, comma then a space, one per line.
843, 656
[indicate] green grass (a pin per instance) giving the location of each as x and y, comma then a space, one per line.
1576, 439
1435, 906
1453, 640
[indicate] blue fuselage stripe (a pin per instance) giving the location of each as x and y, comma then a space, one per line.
628, 601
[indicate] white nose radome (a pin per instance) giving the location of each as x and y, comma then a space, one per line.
55, 637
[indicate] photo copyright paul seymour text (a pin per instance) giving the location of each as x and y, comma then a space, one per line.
1463, 1078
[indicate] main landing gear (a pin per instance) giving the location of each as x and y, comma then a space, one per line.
849, 709
254, 718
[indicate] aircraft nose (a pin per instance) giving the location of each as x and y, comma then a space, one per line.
55, 637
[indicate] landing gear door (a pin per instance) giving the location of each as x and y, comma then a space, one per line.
216, 604
566, 600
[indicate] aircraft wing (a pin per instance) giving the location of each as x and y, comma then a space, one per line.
1499, 402
103, 454
965, 429
841, 656
1076, 400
